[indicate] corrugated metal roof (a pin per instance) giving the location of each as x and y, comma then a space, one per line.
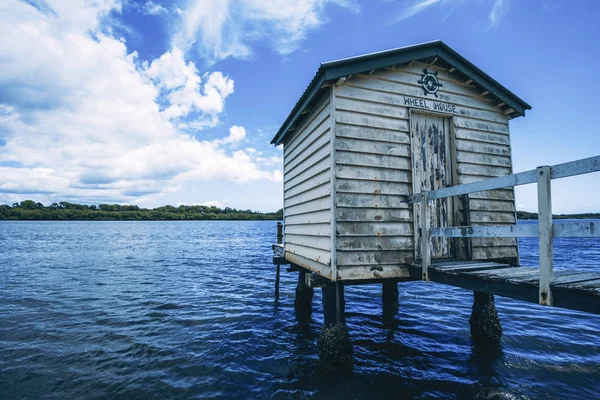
336, 69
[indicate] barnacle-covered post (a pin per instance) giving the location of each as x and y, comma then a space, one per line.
335, 348
484, 321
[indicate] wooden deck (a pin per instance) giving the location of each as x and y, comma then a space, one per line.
571, 289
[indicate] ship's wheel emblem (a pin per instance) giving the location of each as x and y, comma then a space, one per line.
430, 82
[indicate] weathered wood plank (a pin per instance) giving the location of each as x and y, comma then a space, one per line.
450, 262
584, 166
492, 127
320, 256
311, 265
482, 148
487, 253
484, 137
572, 279
315, 242
317, 192
367, 107
372, 215
592, 284
374, 134
323, 229
483, 170
292, 178
371, 147
375, 229
489, 204
373, 121
494, 242
372, 173
350, 92
501, 273
308, 186
492, 217
315, 217
498, 231
367, 257
372, 187
560, 276
375, 243
483, 159
372, 160
470, 266
506, 273
372, 272
498, 194
309, 206
372, 200
577, 229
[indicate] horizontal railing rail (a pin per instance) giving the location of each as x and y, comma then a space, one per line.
545, 230
564, 230
572, 168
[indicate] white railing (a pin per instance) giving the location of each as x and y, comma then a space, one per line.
544, 229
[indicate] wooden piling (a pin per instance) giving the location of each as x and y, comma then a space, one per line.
304, 294
389, 292
333, 304
278, 272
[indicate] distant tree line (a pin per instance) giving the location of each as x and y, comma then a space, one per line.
528, 215
65, 211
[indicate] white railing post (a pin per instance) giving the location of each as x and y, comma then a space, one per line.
544, 178
425, 236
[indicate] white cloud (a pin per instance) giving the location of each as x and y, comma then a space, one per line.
214, 203
237, 134
81, 118
224, 28
413, 7
499, 10
151, 8
184, 91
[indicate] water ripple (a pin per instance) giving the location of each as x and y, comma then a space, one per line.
186, 310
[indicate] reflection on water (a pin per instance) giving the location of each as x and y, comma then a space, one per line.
186, 309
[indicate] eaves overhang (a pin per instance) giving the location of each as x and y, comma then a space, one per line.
334, 70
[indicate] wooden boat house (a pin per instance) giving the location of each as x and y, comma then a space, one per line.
371, 130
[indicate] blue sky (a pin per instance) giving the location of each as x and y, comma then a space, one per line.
155, 103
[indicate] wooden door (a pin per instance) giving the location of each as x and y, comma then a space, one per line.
431, 166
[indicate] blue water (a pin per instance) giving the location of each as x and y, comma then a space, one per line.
186, 310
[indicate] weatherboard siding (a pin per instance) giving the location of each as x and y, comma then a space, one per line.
307, 190
373, 180
373, 164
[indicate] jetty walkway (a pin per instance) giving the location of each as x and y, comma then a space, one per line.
570, 288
